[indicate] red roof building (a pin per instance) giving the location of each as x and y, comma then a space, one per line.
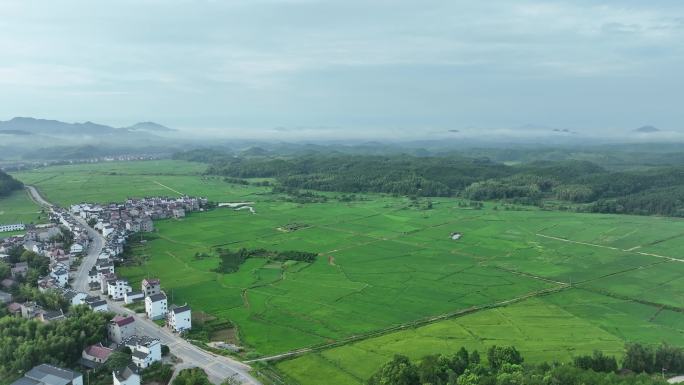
96, 353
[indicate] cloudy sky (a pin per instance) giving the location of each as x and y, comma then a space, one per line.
345, 66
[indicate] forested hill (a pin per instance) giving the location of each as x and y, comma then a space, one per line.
581, 184
8, 184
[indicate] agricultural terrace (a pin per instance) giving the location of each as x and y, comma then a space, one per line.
584, 281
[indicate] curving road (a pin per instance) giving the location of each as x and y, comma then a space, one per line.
219, 368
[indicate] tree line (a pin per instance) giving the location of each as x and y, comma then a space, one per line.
26, 343
505, 366
230, 260
659, 190
8, 184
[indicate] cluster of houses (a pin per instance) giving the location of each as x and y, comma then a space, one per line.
116, 222
121, 332
46, 241
135, 215
12, 227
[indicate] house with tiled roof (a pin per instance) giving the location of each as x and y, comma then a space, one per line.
121, 328
45, 374
126, 376
155, 306
150, 286
180, 318
97, 304
145, 350
94, 356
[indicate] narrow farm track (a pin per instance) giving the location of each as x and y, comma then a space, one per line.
168, 188
611, 248
413, 324
560, 286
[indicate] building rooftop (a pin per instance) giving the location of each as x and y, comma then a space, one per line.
53, 315
157, 297
26, 381
139, 354
140, 340
98, 351
126, 373
123, 321
48, 375
180, 309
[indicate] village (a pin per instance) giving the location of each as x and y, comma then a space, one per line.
65, 242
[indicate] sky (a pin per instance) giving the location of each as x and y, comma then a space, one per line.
315, 67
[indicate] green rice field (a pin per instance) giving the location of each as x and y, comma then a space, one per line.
554, 284
19, 208
115, 181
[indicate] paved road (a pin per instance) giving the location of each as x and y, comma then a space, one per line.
37, 198
217, 367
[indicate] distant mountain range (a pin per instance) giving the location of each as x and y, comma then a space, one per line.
647, 129
149, 126
33, 126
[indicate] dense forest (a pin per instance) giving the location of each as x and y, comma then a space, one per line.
26, 343
505, 365
230, 260
8, 184
578, 184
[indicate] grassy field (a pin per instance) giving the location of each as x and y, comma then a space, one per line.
383, 262
18, 207
555, 327
116, 181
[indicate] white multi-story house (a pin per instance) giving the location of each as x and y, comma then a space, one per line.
150, 286
121, 328
104, 279
107, 229
97, 304
12, 227
155, 306
146, 225
117, 288
126, 376
74, 297
133, 296
145, 350
133, 226
61, 274
93, 276
180, 318
76, 248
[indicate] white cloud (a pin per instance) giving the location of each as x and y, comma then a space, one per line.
165, 56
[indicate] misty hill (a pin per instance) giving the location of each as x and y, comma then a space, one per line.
55, 127
27, 125
14, 132
149, 126
647, 129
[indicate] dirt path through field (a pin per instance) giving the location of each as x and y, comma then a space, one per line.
169, 188
611, 248
414, 324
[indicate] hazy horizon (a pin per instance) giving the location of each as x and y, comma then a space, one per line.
334, 69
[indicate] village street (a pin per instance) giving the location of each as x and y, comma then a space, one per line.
217, 367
